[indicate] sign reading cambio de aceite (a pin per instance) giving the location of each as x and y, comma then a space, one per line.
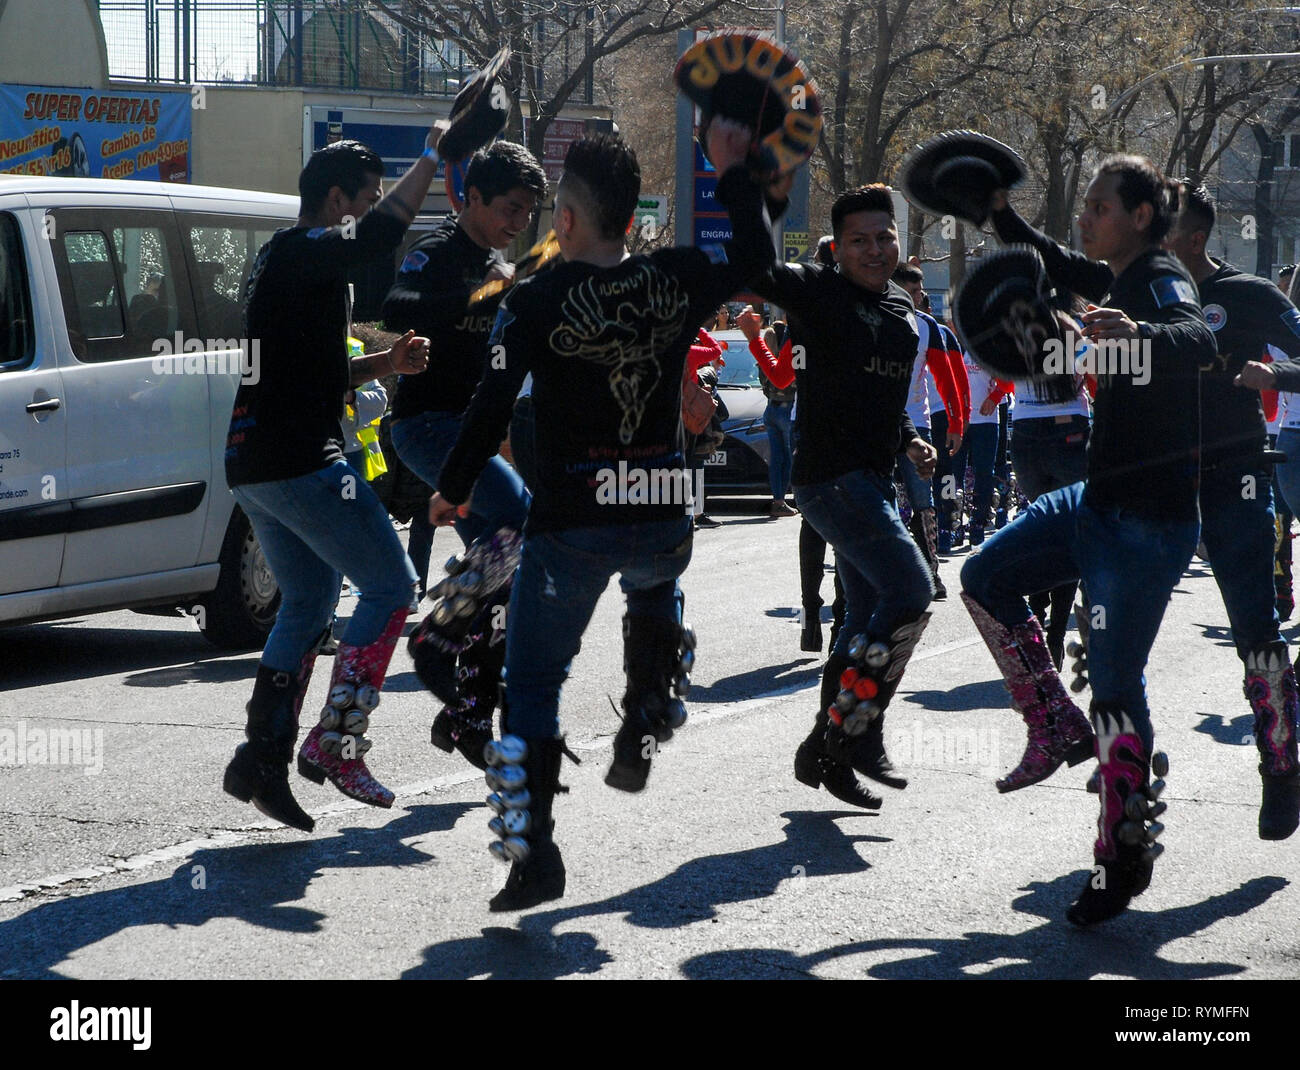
95, 133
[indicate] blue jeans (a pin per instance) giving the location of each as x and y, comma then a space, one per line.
1048, 454
780, 439
1128, 565
562, 575
1288, 474
1237, 529
314, 530
499, 499
980, 448
886, 580
918, 489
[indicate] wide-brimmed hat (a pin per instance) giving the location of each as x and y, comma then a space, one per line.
956, 172
1006, 317
479, 111
746, 76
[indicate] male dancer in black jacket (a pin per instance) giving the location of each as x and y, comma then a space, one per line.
605, 336
1128, 531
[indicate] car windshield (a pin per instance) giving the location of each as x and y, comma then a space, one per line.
741, 370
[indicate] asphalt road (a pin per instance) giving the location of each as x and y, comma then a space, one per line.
133, 863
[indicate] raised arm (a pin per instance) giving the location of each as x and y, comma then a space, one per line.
1067, 268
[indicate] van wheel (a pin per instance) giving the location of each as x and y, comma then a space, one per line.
239, 614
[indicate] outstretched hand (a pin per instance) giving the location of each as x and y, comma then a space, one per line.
442, 512
749, 323
924, 456
1256, 375
409, 354
435, 133
1100, 324
728, 143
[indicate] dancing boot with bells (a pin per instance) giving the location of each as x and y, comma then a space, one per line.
473, 577
336, 747
524, 775
1271, 692
1058, 730
259, 771
466, 726
856, 734
658, 655
813, 766
1127, 829
1078, 649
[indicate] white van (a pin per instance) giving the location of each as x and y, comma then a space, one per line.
112, 438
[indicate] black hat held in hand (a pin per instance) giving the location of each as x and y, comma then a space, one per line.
956, 172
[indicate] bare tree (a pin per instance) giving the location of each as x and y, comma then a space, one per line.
896, 60
557, 45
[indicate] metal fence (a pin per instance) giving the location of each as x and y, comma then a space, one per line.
342, 44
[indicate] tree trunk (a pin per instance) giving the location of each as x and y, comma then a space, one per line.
957, 257
1263, 205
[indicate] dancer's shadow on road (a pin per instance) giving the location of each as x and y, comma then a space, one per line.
1239, 732
814, 846
225, 671
256, 883
984, 695
793, 674
54, 653
403, 683
1128, 946
825, 614
1219, 634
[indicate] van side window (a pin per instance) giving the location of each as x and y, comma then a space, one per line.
95, 289
123, 281
223, 249
17, 334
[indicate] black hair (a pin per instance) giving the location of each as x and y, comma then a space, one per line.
908, 273
344, 164
608, 178
1285, 269
1140, 182
504, 166
873, 198
1196, 206
824, 255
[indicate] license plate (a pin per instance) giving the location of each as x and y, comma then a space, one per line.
720, 457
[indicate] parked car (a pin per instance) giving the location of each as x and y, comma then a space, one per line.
119, 360
740, 464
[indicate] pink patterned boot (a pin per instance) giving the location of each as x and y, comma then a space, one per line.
1058, 730
1271, 692
1127, 827
336, 747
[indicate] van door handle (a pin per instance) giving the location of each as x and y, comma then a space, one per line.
44, 406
